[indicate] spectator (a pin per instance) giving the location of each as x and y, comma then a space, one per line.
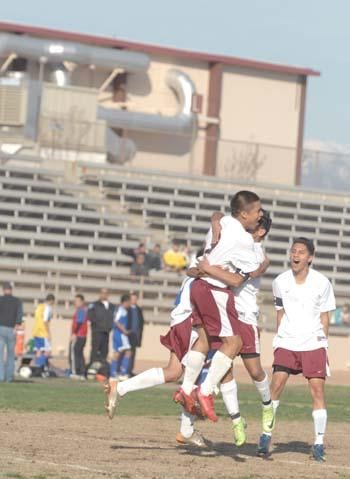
139, 268
140, 249
345, 315
11, 313
135, 325
153, 258
78, 338
100, 315
174, 259
121, 345
41, 330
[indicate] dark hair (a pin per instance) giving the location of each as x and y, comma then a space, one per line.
241, 200
134, 294
50, 297
80, 296
265, 221
307, 242
125, 297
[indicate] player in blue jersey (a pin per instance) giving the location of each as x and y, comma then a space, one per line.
121, 345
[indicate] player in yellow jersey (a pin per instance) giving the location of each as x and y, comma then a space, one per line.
41, 330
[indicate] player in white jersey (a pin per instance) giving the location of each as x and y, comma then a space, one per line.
248, 312
304, 299
214, 312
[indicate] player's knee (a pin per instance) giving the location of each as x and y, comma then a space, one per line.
257, 374
172, 374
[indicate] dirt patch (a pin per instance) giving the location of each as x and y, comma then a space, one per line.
66, 446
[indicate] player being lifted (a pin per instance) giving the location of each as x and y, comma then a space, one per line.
248, 312
213, 305
303, 300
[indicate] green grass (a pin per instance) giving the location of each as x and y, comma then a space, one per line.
66, 396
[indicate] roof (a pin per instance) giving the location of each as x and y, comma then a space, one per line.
156, 49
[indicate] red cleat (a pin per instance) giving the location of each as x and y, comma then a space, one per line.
188, 402
207, 405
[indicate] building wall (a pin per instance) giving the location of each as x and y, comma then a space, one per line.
259, 108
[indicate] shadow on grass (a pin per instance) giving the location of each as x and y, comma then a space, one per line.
300, 447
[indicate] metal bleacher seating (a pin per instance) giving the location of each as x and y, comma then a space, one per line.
67, 236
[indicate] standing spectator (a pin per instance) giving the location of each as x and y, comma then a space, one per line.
174, 259
78, 338
41, 330
153, 258
135, 324
121, 344
11, 313
100, 315
139, 268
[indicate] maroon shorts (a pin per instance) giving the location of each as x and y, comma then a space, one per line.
312, 364
250, 336
178, 338
214, 309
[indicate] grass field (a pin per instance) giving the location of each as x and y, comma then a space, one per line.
56, 429
66, 396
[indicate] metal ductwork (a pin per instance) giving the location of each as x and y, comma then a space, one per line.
184, 123
56, 51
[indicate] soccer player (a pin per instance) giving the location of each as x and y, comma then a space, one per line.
304, 299
248, 312
213, 303
121, 345
41, 330
78, 338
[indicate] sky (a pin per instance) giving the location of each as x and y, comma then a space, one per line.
310, 33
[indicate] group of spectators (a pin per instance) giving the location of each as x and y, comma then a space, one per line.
175, 258
102, 316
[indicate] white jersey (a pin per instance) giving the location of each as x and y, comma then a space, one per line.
183, 307
301, 328
246, 295
235, 249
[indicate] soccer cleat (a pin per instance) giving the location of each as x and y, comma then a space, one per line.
239, 434
207, 405
264, 445
196, 440
112, 396
318, 453
268, 418
188, 402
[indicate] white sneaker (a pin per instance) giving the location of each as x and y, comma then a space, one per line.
123, 377
196, 440
112, 396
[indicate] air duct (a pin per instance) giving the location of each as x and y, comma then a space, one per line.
57, 51
184, 123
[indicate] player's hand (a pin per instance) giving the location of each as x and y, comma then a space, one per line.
203, 264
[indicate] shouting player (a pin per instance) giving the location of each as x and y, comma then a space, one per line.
303, 300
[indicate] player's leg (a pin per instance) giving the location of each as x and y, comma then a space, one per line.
229, 390
319, 415
115, 362
261, 381
195, 361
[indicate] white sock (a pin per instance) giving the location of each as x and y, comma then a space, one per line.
263, 388
187, 421
229, 395
220, 364
275, 404
320, 422
147, 379
194, 364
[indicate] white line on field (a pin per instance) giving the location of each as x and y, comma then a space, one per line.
50, 463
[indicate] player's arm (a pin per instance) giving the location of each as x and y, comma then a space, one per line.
216, 226
121, 328
279, 316
217, 272
262, 268
324, 317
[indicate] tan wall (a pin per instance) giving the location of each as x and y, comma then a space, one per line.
152, 350
262, 108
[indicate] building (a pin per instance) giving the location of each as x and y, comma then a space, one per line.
73, 96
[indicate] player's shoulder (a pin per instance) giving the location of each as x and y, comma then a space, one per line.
318, 277
284, 277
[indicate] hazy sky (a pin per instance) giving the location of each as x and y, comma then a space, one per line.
311, 33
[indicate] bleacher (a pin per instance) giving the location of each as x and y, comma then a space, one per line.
68, 236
